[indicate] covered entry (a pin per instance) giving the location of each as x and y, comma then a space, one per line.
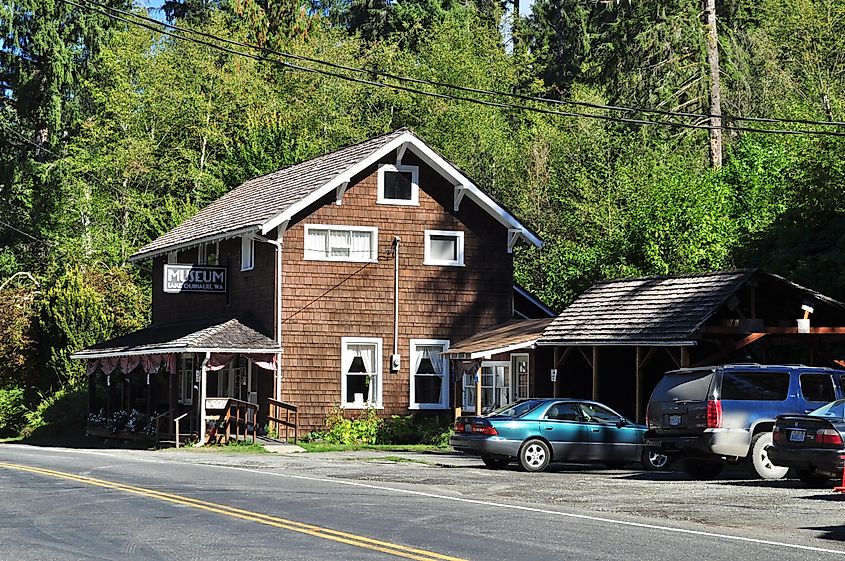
189, 372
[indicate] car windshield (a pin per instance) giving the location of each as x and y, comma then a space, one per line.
835, 410
517, 409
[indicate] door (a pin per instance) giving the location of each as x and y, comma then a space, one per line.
520, 382
563, 426
607, 441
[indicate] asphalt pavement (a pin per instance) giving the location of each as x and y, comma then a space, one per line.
60, 503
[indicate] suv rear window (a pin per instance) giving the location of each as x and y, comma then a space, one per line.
682, 386
817, 387
763, 386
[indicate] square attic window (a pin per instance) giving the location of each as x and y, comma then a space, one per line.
398, 185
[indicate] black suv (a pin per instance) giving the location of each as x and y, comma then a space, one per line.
721, 413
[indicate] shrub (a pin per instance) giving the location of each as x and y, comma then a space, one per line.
411, 429
62, 412
340, 430
12, 411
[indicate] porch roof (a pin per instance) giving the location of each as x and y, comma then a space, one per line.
230, 336
509, 336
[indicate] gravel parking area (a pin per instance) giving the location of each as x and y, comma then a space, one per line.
736, 503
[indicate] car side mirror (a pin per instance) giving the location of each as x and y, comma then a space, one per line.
621, 422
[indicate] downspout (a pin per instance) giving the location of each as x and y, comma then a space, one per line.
277, 243
203, 391
396, 241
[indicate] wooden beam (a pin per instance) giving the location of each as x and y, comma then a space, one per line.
638, 391
719, 355
729, 330
684, 357
595, 373
587, 357
643, 360
670, 352
563, 356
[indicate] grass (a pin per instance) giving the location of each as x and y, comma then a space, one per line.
323, 447
231, 448
11, 439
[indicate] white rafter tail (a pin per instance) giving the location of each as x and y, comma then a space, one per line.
341, 190
513, 236
460, 191
400, 153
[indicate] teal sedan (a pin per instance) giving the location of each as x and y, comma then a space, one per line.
536, 432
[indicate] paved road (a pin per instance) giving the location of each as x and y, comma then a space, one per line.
62, 504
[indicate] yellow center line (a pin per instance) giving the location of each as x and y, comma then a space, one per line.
268, 520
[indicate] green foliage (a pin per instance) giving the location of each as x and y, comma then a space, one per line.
340, 430
12, 411
63, 412
410, 429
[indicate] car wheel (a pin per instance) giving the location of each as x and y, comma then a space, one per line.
760, 457
534, 455
494, 462
703, 469
812, 478
654, 460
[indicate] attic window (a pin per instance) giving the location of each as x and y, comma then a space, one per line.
398, 185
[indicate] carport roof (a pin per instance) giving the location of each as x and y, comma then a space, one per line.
228, 336
664, 311
509, 336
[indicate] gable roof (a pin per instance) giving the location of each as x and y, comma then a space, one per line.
189, 337
648, 310
664, 311
266, 202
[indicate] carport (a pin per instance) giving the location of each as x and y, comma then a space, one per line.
614, 342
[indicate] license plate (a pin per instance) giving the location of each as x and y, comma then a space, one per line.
674, 420
796, 436
467, 428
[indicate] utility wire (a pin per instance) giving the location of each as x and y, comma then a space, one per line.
418, 81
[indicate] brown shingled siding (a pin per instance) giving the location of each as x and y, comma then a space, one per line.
250, 293
435, 302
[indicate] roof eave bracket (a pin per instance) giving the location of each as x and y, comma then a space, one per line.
400, 153
340, 191
460, 191
514, 234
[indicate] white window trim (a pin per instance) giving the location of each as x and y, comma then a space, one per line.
373, 247
470, 407
186, 379
172, 258
515, 357
415, 185
247, 250
444, 387
458, 234
344, 343
202, 257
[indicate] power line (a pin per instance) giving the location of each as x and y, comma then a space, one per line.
418, 81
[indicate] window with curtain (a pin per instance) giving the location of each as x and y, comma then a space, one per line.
429, 374
361, 383
341, 243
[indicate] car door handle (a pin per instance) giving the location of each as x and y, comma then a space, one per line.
549, 428
595, 430
808, 411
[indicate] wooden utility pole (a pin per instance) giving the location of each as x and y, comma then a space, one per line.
709, 17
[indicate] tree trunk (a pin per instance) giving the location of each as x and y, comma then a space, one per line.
715, 91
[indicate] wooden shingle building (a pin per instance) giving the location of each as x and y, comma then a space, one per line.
337, 281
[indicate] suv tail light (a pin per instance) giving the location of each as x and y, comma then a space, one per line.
487, 429
777, 434
459, 426
714, 414
828, 436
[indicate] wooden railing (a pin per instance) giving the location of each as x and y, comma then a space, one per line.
235, 415
274, 418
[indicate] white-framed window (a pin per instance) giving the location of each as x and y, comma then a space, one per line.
341, 243
247, 253
429, 374
209, 253
495, 387
186, 379
172, 258
444, 247
360, 372
521, 377
398, 185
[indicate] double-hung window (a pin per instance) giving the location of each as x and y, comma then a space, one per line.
398, 185
360, 376
341, 243
209, 253
444, 247
429, 374
247, 253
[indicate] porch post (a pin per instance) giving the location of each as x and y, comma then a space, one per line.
638, 405
595, 373
478, 390
203, 391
